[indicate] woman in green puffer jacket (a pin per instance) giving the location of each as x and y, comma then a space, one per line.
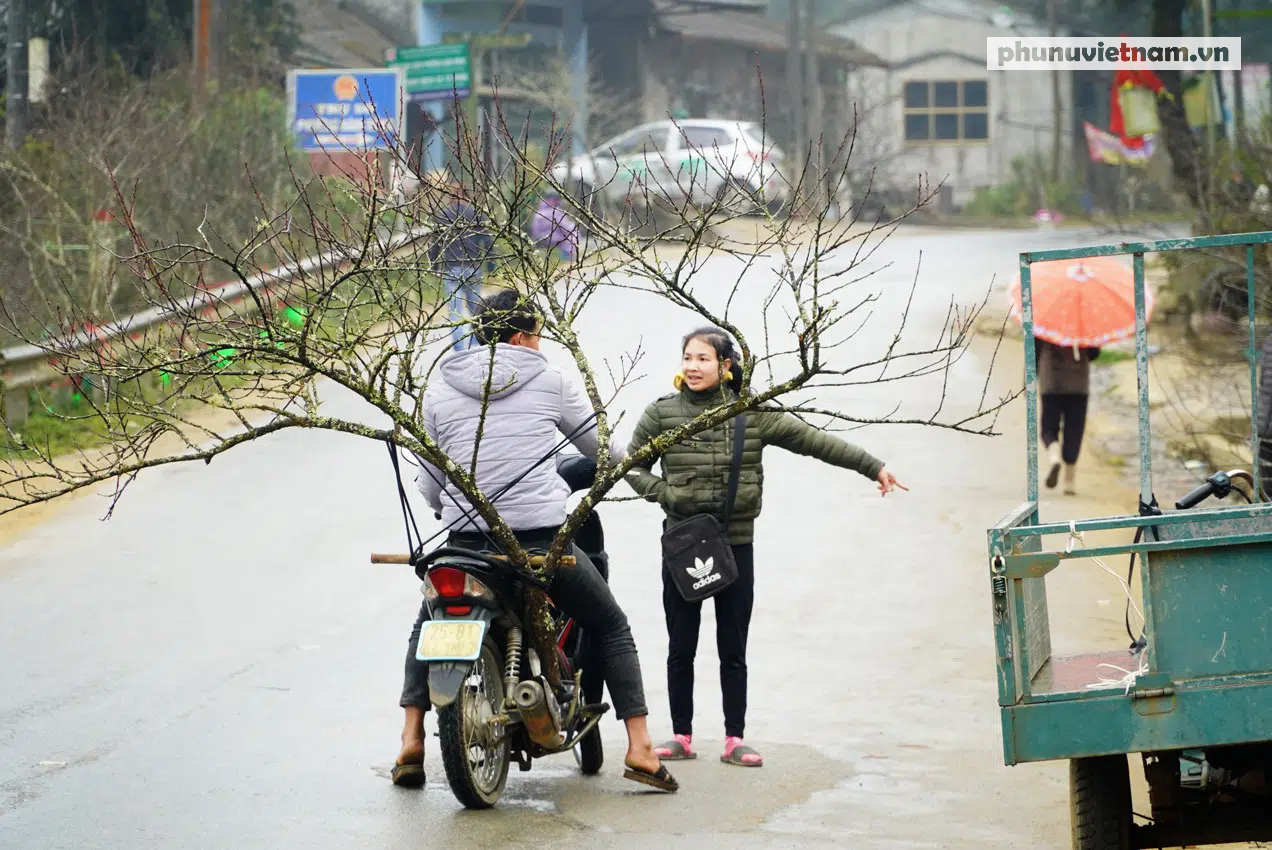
694, 481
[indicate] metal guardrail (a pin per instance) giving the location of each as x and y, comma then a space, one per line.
29, 365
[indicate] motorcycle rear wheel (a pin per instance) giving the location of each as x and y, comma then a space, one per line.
590, 752
476, 756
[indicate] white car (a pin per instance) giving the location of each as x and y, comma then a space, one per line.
704, 161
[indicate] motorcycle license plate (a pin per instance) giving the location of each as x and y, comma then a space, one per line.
458, 640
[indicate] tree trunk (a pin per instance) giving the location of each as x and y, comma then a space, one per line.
1057, 108
1188, 165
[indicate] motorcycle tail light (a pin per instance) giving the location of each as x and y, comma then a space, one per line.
450, 583
447, 583
474, 589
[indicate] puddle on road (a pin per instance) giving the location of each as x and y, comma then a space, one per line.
713, 799
555, 806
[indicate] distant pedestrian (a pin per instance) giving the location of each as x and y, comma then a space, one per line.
554, 229
462, 247
1265, 416
1064, 386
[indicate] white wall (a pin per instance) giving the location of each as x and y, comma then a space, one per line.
1020, 103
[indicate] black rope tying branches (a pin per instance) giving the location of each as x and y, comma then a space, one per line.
408, 518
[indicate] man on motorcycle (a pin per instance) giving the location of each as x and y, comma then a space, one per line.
526, 401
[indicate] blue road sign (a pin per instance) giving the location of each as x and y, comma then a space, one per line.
357, 109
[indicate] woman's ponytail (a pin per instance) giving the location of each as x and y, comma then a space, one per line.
734, 381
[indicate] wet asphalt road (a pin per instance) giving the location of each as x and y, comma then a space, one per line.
218, 665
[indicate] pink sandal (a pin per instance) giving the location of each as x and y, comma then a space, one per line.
738, 753
679, 748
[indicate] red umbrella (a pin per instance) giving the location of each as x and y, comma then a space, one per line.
1089, 302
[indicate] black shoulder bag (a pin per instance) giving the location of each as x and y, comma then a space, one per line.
696, 550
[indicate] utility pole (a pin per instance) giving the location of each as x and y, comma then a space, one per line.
1208, 33
812, 84
202, 42
469, 145
795, 81
15, 124
1238, 109
1057, 108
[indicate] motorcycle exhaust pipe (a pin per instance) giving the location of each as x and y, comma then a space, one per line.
540, 714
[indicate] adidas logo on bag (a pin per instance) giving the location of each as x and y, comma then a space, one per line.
700, 570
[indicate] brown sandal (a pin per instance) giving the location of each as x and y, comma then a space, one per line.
410, 775
662, 780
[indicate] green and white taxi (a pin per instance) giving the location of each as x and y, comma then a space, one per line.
703, 160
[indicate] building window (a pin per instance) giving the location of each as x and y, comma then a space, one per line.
946, 111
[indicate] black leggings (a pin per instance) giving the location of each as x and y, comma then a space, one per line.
582, 593
733, 620
1067, 412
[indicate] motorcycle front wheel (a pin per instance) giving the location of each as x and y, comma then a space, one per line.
476, 754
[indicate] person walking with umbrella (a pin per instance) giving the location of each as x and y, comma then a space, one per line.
1078, 307
1064, 388
1264, 401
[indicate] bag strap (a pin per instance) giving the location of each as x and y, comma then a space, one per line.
735, 468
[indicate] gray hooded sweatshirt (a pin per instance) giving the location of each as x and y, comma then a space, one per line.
531, 404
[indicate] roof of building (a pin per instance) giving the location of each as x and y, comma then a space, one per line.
334, 36
753, 30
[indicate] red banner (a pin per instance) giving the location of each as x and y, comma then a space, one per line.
1108, 148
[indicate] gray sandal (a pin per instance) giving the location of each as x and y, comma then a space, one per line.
675, 750
737, 756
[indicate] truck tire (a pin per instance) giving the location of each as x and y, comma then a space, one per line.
1100, 803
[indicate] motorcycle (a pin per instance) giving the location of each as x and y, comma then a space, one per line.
494, 701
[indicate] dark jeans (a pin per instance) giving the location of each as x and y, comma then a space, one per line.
582, 593
1068, 412
462, 282
733, 621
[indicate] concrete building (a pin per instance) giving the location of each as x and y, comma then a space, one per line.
728, 64
936, 109
592, 68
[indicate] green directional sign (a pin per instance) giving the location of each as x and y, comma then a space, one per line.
433, 72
